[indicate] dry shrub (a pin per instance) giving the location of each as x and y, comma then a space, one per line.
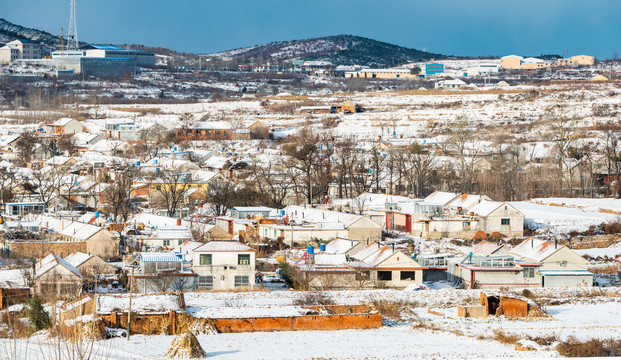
505, 338
313, 298
479, 235
389, 308
528, 294
543, 340
611, 268
572, 347
612, 227
142, 111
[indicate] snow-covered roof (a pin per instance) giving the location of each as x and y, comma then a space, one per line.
366, 251
62, 122
155, 221
51, 261
78, 258
484, 208
13, 278
485, 248
467, 201
300, 214
212, 125
534, 249
232, 246
440, 198
80, 231
340, 245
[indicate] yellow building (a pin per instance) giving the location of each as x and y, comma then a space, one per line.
583, 60
511, 62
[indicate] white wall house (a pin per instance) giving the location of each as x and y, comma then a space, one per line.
224, 265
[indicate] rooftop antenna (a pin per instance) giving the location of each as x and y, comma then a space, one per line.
73, 43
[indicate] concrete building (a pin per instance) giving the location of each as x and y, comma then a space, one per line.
162, 272
96, 66
224, 265
143, 58
26, 49
8, 54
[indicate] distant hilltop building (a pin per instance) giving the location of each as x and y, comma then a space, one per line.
19, 49
516, 62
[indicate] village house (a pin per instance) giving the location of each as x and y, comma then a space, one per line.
206, 130
90, 265
14, 287
64, 126
259, 130
443, 214
224, 265
99, 241
532, 263
56, 278
161, 272
303, 224
343, 266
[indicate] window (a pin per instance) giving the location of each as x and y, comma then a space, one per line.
205, 282
529, 272
408, 275
466, 225
158, 187
505, 221
166, 243
384, 275
243, 259
204, 259
241, 281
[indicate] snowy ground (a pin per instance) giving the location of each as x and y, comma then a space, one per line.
399, 342
559, 219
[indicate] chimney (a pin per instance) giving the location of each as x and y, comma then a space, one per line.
532, 242
393, 247
556, 243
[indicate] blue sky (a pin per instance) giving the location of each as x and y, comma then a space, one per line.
460, 27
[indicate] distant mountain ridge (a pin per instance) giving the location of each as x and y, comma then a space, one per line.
10, 32
338, 49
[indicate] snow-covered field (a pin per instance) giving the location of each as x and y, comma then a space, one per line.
389, 342
559, 219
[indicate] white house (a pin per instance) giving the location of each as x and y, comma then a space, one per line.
224, 265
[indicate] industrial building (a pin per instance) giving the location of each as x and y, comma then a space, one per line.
106, 67
143, 58
434, 68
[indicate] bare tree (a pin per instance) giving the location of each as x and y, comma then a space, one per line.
611, 139
170, 190
117, 196
26, 145
563, 133
462, 142
420, 169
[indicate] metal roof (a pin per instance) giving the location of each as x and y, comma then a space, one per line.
160, 257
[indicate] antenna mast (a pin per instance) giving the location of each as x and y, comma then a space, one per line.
72, 35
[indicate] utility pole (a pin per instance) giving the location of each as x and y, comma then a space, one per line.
129, 311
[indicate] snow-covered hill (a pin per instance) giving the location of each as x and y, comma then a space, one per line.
339, 49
